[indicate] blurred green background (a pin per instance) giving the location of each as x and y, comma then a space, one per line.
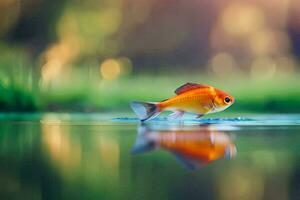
98, 55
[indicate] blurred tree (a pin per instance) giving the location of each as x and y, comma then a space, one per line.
294, 27
36, 26
167, 33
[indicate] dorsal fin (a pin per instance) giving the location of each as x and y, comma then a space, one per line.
189, 86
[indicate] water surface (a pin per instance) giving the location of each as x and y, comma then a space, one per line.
93, 157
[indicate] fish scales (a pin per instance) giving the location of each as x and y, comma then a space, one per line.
193, 98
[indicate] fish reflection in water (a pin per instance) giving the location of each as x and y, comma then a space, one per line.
193, 148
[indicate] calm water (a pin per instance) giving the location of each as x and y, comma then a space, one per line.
97, 157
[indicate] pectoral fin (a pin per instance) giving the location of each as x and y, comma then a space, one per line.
189, 163
175, 115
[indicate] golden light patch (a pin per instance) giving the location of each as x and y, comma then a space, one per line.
241, 19
223, 64
110, 69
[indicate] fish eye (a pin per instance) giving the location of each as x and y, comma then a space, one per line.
227, 100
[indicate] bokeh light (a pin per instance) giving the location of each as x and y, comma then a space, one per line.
267, 42
263, 68
110, 69
223, 64
286, 65
241, 19
126, 65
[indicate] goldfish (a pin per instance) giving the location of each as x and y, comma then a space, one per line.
194, 98
193, 148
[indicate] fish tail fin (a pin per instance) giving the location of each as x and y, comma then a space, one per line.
144, 142
145, 110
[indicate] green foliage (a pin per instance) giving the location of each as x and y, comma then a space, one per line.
17, 91
22, 91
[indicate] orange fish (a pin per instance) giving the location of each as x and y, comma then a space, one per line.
190, 97
193, 148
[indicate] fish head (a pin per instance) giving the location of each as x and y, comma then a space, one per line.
222, 100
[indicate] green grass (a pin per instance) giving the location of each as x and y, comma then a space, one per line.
21, 91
